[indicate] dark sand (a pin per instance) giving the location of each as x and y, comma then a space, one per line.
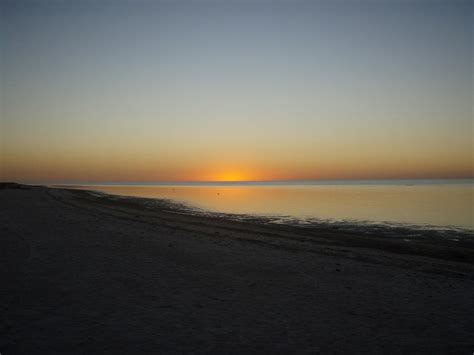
82, 273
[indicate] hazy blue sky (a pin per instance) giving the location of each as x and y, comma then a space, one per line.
184, 90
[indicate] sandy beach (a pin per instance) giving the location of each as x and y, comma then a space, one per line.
89, 273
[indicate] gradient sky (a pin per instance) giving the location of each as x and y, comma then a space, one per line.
230, 90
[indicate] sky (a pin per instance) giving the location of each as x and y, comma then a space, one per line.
96, 91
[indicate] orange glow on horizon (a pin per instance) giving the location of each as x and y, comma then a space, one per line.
22, 168
230, 175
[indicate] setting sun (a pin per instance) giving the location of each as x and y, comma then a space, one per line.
232, 176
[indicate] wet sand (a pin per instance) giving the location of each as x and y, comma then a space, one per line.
88, 273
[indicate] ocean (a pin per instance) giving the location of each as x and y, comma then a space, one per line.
422, 203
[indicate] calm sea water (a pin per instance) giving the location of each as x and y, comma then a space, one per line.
442, 203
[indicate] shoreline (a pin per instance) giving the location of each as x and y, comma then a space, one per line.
456, 244
381, 227
99, 274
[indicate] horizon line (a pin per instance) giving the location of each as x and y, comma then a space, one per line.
73, 182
